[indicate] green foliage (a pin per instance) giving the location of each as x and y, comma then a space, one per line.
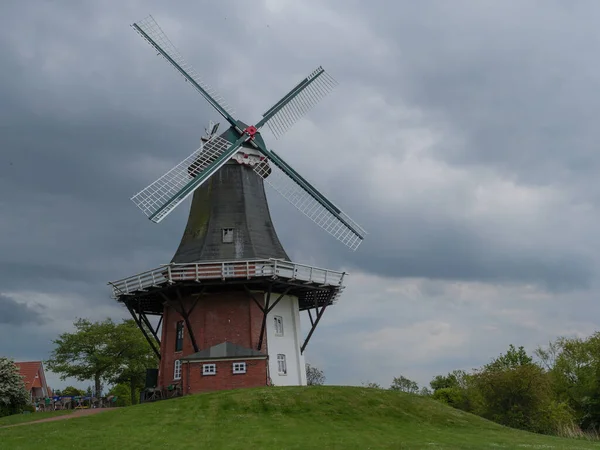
86, 354
451, 396
403, 384
425, 392
71, 391
516, 393
134, 357
100, 351
513, 358
314, 376
511, 390
574, 368
13, 394
459, 390
444, 382
123, 393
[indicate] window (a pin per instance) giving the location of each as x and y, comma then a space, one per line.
239, 367
278, 325
177, 370
281, 365
227, 235
228, 270
209, 369
179, 338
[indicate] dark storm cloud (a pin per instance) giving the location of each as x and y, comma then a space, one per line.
80, 162
15, 313
517, 77
515, 80
89, 115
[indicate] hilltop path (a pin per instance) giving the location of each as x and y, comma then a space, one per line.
77, 413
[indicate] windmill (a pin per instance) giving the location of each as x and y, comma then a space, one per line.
162, 196
229, 302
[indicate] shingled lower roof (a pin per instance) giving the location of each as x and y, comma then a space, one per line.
225, 350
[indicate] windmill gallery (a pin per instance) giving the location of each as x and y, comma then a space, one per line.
225, 312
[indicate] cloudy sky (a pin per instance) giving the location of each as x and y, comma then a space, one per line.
463, 136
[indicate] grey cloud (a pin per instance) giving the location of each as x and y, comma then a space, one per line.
89, 149
16, 313
84, 100
515, 78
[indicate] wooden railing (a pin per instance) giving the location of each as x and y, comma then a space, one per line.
171, 273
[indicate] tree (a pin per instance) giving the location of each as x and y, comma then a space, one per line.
403, 384
425, 392
573, 365
123, 393
517, 393
86, 354
103, 351
444, 381
13, 394
457, 389
513, 358
71, 391
314, 376
136, 356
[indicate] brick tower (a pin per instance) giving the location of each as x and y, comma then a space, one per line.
227, 307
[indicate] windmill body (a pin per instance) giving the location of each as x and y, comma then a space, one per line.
227, 307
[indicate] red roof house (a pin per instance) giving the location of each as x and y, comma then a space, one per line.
34, 378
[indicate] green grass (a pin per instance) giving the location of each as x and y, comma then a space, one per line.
22, 418
323, 417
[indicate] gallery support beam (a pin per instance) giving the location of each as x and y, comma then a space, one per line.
264, 319
186, 317
266, 309
183, 313
141, 326
314, 324
144, 318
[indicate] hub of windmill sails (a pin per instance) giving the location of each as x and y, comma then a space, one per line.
245, 156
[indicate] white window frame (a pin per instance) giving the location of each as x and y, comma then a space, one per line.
227, 235
278, 321
239, 367
177, 370
209, 369
228, 269
281, 364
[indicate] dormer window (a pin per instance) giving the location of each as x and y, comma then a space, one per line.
227, 235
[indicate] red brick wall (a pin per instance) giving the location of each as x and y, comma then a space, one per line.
194, 382
216, 318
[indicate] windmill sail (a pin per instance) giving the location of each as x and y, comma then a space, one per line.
151, 31
161, 197
297, 102
281, 177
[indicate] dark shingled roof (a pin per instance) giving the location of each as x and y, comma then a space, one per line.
234, 197
224, 350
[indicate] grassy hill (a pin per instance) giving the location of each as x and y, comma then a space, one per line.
324, 417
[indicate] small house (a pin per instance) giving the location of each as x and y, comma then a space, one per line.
35, 379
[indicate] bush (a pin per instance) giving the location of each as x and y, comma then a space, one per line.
451, 396
13, 395
9, 410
